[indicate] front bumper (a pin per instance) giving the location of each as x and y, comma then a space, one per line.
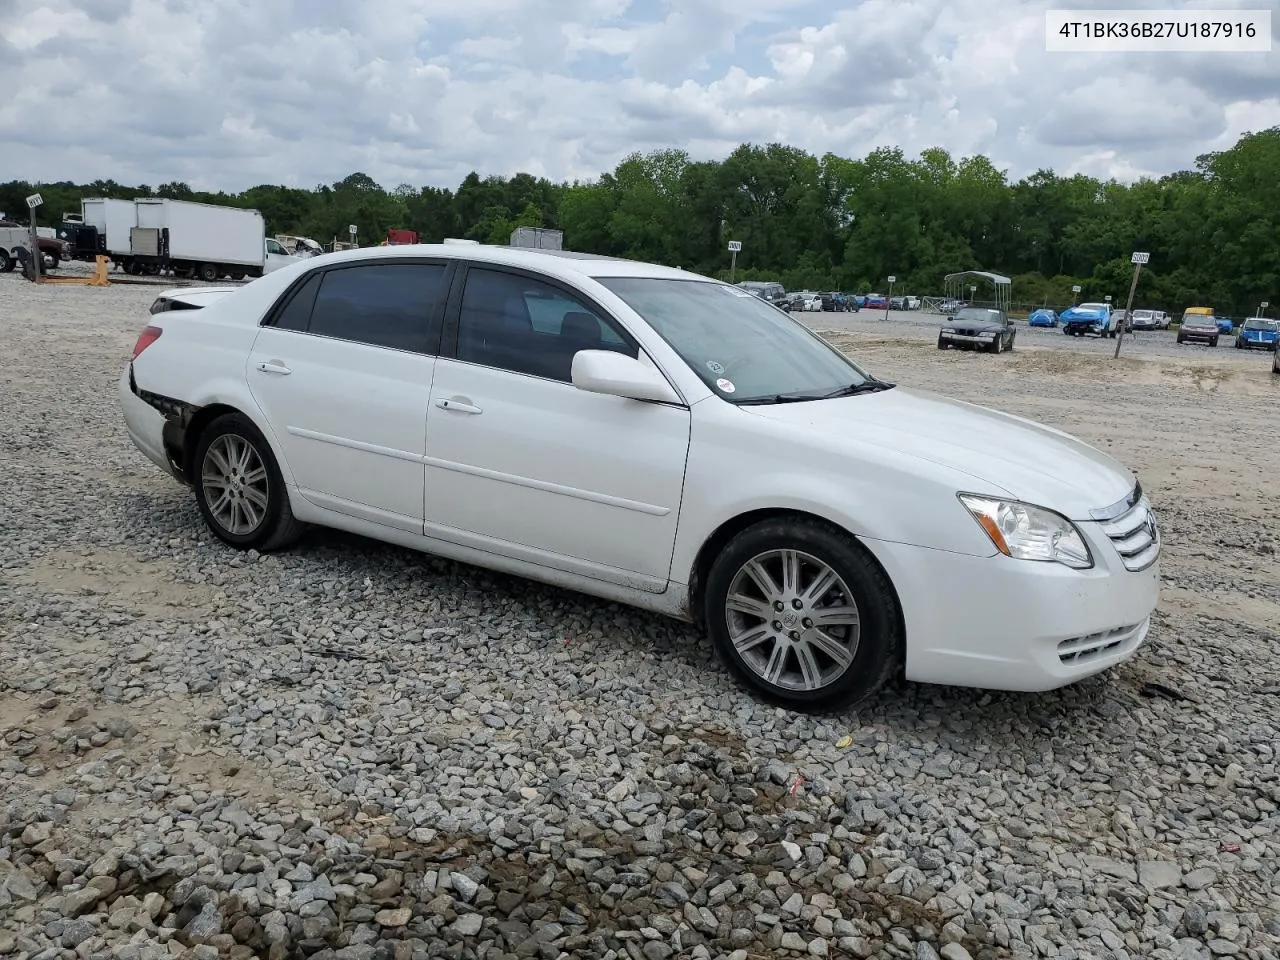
1206, 337
1001, 624
968, 338
1257, 344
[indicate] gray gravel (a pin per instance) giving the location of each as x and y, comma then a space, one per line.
355, 751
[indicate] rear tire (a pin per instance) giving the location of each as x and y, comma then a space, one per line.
7, 263
812, 668
207, 272
239, 487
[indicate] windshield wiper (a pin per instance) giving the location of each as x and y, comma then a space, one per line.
778, 398
866, 386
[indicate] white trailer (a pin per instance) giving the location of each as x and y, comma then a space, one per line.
196, 240
113, 220
539, 237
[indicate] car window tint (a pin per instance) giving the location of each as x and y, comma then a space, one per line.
527, 326
296, 314
385, 305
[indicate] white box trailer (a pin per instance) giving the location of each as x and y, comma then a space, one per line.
196, 239
113, 220
542, 238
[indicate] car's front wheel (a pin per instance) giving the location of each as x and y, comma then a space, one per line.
802, 615
239, 487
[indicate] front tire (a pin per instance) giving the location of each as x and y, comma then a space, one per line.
942, 344
239, 487
1213, 342
802, 615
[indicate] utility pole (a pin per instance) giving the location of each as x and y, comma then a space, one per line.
1138, 259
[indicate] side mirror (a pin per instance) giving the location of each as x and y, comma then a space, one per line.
617, 375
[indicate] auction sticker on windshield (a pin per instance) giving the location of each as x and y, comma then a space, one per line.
726, 385
714, 367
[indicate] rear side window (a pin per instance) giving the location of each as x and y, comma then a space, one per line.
384, 305
296, 314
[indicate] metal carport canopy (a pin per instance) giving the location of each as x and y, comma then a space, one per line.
993, 277
954, 282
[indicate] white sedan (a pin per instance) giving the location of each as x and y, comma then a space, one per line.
660, 439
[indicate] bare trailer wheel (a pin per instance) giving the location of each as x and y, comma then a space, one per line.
239, 487
802, 615
207, 272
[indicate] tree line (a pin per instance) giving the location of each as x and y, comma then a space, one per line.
832, 223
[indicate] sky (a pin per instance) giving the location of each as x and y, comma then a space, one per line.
227, 94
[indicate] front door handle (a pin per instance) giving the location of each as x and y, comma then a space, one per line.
457, 405
274, 366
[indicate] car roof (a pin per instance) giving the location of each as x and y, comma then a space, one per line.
563, 263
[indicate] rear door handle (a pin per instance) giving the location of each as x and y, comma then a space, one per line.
458, 405
274, 366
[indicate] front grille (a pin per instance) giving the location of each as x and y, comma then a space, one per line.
1103, 644
1131, 527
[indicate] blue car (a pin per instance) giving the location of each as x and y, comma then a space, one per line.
1043, 318
1258, 333
1226, 324
1088, 318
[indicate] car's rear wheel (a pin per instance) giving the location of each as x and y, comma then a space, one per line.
802, 615
239, 487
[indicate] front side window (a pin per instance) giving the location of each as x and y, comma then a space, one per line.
527, 326
743, 349
384, 304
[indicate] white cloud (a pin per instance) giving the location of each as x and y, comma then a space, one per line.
240, 92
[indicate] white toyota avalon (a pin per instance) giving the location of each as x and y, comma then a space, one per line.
657, 438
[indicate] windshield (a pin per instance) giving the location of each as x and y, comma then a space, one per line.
1198, 319
742, 349
1143, 314
1258, 323
977, 315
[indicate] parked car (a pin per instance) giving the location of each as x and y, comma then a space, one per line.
978, 328
1226, 325
833, 301
1043, 317
660, 439
1120, 318
1258, 333
1088, 318
859, 300
767, 290
1275, 361
1149, 320
877, 301
1199, 327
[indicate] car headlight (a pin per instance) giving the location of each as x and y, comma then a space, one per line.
1026, 532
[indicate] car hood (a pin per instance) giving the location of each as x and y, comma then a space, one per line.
1027, 460
1207, 326
1261, 334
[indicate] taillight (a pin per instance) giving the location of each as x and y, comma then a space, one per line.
148, 336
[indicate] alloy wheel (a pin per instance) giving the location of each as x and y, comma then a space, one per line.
793, 620
236, 486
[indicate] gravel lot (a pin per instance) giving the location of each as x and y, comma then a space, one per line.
355, 751
924, 327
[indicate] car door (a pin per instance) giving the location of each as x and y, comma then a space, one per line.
276, 256
523, 464
342, 369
